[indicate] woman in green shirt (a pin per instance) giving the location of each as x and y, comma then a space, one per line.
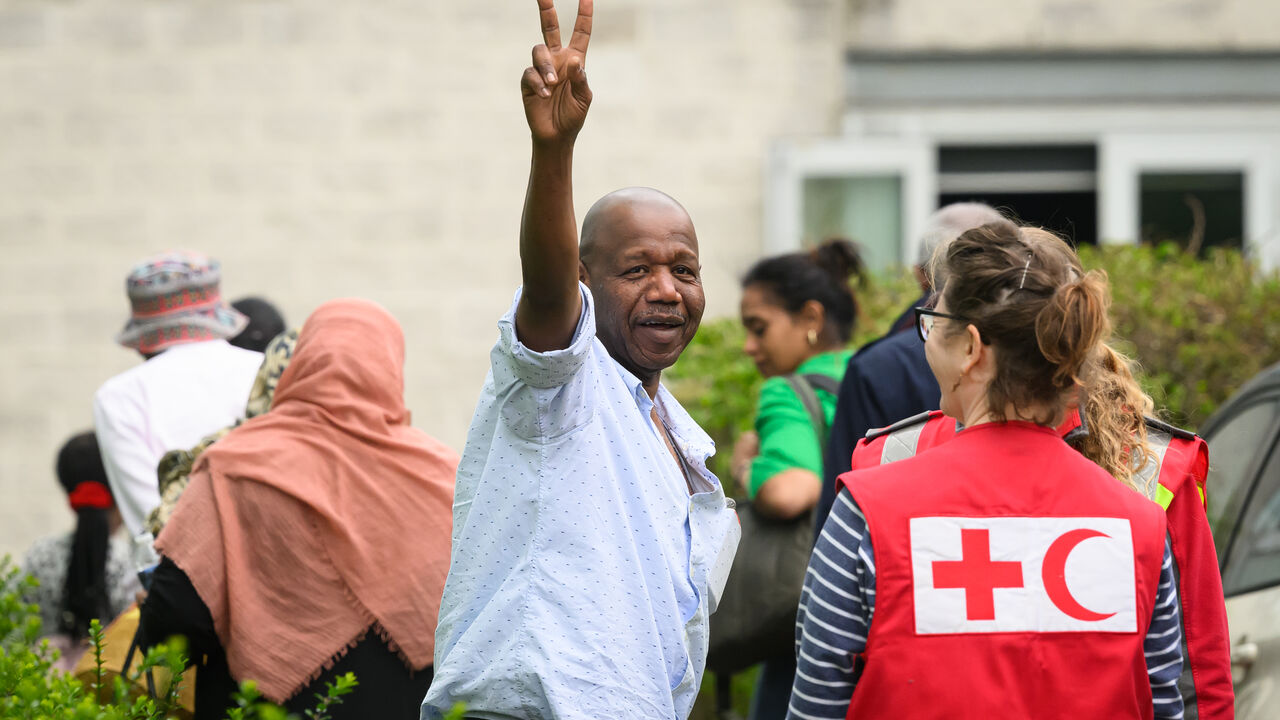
799, 314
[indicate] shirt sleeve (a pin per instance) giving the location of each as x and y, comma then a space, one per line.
121, 428
835, 612
1163, 644
787, 437
544, 394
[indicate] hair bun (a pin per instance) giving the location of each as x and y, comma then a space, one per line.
839, 257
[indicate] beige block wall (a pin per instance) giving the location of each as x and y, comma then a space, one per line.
348, 147
1072, 25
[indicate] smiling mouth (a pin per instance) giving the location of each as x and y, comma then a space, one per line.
660, 323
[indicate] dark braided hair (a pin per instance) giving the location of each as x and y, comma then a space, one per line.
84, 596
822, 274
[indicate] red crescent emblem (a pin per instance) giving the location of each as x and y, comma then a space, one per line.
1054, 573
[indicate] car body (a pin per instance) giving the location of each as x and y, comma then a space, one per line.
1244, 511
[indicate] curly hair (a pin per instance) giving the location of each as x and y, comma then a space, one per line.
1114, 406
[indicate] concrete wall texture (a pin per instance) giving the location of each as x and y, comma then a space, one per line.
377, 148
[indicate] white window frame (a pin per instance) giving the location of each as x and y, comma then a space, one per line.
1124, 157
912, 160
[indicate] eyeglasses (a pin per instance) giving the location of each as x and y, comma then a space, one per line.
925, 318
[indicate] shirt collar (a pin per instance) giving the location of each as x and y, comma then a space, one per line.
693, 440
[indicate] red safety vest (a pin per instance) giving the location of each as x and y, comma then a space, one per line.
1177, 483
977, 613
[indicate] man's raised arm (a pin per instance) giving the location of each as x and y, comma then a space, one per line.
556, 98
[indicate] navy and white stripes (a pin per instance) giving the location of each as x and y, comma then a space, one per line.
838, 601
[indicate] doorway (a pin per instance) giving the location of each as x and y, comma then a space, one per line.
1051, 186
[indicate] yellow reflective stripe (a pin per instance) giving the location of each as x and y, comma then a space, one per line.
1203, 500
1164, 496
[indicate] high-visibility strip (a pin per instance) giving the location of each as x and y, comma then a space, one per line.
1148, 476
901, 444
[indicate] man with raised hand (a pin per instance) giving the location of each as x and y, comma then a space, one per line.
590, 541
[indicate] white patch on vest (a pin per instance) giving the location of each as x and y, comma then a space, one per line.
1023, 574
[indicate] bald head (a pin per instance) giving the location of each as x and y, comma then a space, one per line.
610, 221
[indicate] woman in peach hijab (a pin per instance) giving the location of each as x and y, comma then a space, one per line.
314, 540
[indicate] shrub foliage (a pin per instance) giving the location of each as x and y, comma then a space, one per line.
1198, 327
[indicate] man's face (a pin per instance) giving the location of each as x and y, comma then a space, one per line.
646, 280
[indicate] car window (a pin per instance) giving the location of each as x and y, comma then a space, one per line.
1234, 451
1255, 556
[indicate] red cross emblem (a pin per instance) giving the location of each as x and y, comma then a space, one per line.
977, 574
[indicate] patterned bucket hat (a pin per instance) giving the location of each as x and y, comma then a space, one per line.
176, 299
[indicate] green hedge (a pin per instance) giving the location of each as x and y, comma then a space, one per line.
1199, 327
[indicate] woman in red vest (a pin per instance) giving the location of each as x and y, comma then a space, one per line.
1002, 574
1168, 465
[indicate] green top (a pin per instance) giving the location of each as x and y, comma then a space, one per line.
787, 438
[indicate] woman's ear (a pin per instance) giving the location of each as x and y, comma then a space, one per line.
975, 351
813, 315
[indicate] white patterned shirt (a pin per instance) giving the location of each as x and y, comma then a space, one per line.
581, 567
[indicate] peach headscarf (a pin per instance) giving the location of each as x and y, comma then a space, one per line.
328, 516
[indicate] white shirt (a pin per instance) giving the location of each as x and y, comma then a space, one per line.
169, 402
581, 566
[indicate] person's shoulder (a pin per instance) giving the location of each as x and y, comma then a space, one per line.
1172, 431
919, 420
777, 395
46, 552
221, 351
901, 354
124, 384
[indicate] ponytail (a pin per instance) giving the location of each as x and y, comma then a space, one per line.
84, 594
1072, 324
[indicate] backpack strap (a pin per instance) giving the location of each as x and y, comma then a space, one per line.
803, 386
825, 383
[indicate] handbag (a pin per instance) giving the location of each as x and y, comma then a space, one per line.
756, 617
120, 646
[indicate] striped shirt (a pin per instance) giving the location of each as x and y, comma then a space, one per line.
839, 598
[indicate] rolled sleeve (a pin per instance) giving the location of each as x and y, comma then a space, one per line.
544, 394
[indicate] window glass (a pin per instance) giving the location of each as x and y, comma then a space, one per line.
1255, 558
1234, 450
1202, 209
866, 209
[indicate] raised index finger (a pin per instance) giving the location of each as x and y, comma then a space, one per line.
582, 27
550, 24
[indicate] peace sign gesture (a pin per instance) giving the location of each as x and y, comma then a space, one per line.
556, 96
